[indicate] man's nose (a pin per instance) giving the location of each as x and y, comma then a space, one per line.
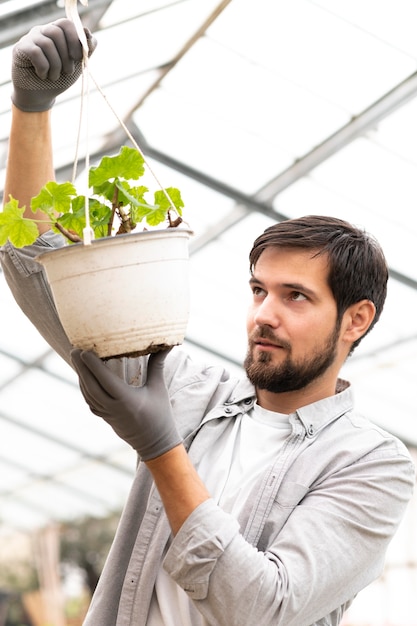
267, 314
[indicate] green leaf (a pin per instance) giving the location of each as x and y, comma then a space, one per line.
128, 164
100, 216
131, 195
175, 196
74, 218
139, 194
106, 190
78, 206
157, 213
155, 216
75, 221
54, 197
16, 228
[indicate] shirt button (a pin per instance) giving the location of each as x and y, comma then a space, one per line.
227, 409
248, 401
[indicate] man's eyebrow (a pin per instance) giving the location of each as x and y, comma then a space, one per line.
300, 287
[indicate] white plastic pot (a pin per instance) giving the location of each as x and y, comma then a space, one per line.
123, 295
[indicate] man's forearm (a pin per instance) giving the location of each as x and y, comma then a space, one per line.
178, 484
30, 161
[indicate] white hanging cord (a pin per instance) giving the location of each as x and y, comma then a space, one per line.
133, 140
78, 140
71, 9
88, 233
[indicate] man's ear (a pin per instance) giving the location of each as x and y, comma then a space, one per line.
356, 320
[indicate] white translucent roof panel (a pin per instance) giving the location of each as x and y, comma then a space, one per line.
345, 63
9, 368
37, 453
256, 100
11, 475
22, 343
384, 387
370, 186
380, 20
223, 116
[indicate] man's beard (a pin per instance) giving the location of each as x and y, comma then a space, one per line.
288, 375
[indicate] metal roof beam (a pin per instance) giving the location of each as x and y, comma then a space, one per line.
18, 18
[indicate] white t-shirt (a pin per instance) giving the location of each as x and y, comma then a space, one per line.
229, 470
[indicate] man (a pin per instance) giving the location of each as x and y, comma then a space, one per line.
261, 501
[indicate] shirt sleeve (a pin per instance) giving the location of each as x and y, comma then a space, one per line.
26, 280
330, 547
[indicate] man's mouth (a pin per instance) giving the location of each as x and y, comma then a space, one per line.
262, 341
267, 345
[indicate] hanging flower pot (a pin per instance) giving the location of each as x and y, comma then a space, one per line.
125, 295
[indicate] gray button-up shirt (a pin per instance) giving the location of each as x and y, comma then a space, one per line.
313, 532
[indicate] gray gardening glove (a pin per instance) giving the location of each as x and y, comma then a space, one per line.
46, 62
142, 416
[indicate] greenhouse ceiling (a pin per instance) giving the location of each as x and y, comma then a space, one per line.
258, 111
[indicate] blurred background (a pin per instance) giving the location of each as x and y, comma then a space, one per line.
258, 111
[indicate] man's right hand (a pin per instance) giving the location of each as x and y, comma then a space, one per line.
141, 416
46, 62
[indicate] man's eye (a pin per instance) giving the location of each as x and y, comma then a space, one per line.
257, 291
297, 296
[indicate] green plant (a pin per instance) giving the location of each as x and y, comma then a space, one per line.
116, 205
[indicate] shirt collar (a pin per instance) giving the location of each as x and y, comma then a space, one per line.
317, 415
313, 416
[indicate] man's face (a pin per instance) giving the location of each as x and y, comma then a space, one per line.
292, 321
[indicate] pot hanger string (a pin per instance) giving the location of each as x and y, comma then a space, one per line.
71, 10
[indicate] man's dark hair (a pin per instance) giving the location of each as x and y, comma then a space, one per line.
357, 265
